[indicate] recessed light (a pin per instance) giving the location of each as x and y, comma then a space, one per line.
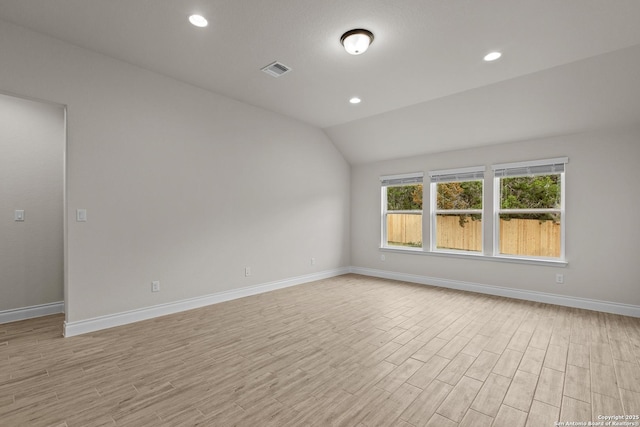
355, 100
198, 21
492, 56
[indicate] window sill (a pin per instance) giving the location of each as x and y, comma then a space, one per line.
480, 257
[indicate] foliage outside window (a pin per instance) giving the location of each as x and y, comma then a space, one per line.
456, 212
402, 211
529, 209
527, 204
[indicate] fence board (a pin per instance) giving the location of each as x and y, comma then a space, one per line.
404, 229
452, 235
517, 236
530, 237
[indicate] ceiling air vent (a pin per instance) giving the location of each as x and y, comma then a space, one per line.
276, 69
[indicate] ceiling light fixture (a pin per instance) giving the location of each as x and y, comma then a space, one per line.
198, 21
492, 56
356, 41
355, 100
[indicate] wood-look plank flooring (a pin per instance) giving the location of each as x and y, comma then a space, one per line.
346, 351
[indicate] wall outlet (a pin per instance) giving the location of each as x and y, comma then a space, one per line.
559, 278
81, 215
313, 261
247, 271
382, 257
155, 286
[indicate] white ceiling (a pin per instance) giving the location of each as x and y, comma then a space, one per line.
568, 65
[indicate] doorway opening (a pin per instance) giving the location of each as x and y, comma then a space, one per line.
32, 208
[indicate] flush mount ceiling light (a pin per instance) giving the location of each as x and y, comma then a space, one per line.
356, 41
198, 21
355, 100
492, 56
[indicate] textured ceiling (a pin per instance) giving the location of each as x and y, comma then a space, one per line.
568, 65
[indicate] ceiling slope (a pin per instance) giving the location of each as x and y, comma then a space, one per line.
425, 64
598, 92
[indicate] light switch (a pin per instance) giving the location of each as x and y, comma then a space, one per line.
19, 215
81, 215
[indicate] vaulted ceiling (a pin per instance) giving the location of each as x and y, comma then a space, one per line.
567, 66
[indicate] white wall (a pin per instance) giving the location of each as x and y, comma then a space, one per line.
181, 185
602, 206
31, 179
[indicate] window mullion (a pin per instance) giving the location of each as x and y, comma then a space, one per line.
529, 211
407, 212
497, 196
562, 216
383, 231
432, 216
458, 211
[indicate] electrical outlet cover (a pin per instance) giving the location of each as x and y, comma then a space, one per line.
19, 215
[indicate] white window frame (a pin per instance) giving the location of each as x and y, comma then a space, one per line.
475, 173
398, 181
528, 168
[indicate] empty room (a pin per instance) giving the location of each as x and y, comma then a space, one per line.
319, 213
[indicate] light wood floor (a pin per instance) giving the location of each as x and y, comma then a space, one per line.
348, 351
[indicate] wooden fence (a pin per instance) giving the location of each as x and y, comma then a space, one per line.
530, 237
404, 229
517, 236
453, 236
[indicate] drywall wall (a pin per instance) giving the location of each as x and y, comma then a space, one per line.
181, 185
31, 179
602, 205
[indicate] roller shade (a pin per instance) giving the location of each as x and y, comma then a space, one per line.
536, 167
404, 179
458, 175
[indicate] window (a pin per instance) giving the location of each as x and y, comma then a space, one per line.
456, 209
520, 219
402, 210
529, 209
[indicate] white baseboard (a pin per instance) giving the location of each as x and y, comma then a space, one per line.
23, 313
567, 301
118, 319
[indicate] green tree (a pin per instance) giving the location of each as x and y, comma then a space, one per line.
404, 198
531, 192
460, 195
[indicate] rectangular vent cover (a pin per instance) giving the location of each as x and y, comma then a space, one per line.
276, 69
